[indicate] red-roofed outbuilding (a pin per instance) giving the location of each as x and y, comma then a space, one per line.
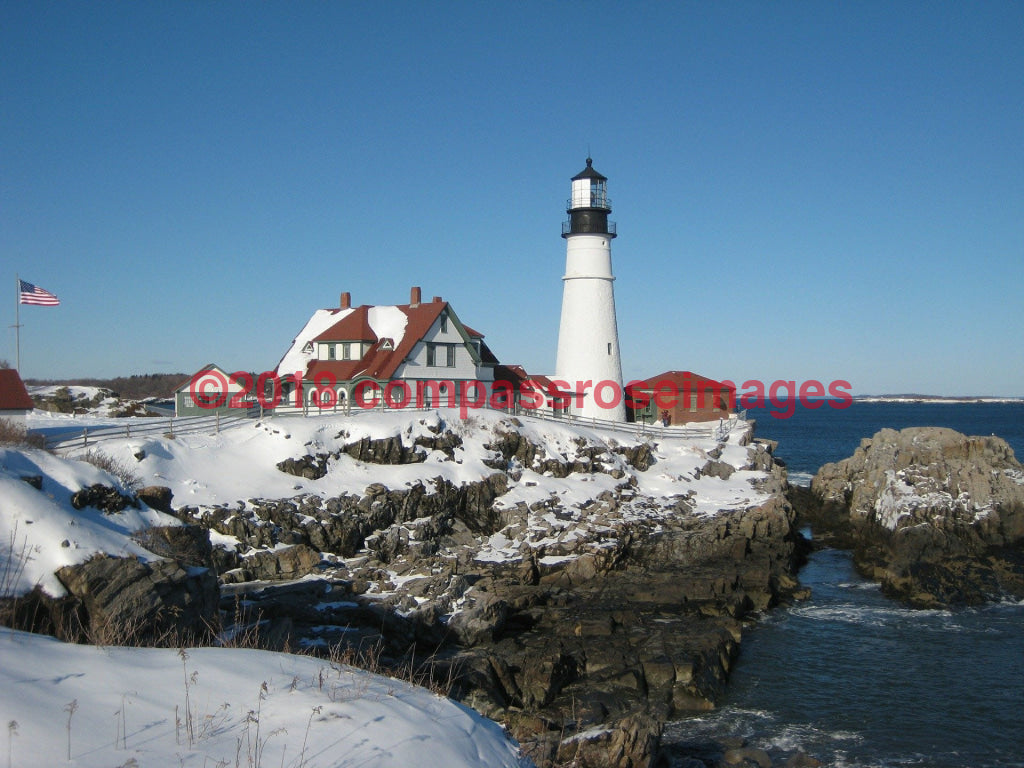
15, 402
681, 397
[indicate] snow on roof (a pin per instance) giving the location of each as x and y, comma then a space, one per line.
295, 359
389, 323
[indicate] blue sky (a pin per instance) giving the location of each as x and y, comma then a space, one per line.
803, 190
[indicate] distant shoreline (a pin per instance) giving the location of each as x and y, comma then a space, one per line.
934, 399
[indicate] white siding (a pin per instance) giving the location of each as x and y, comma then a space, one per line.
588, 336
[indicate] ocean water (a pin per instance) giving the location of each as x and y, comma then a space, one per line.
812, 437
855, 679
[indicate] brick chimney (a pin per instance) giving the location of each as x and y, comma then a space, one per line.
346, 300
414, 296
437, 299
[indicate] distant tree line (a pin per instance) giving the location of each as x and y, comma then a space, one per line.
134, 387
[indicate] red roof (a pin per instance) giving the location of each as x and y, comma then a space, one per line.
682, 379
377, 363
13, 395
355, 326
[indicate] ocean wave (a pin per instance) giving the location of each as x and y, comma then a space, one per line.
868, 615
797, 736
871, 585
802, 479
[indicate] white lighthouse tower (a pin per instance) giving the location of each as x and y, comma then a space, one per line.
588, 336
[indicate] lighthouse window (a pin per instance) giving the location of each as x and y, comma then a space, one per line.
609, 347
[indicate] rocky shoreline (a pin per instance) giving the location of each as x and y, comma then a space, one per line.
582, 628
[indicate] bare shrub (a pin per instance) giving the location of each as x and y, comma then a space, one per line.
15, 556
119, 469
17, 435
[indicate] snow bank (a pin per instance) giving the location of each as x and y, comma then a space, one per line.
129, 708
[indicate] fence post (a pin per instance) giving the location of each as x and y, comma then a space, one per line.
85, 436
128, 430
217, 428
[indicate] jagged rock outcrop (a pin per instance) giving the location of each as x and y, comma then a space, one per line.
618, 644
187, 544
341, 525
935, 516
157, 497
279, 564
125, 601
103, 498
384, 450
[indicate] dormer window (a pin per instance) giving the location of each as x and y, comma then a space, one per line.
346, 350
330, 351
307, 347
387, 344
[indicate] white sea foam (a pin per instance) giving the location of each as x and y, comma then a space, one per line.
865, 615
798, 736
802, 479
869, 585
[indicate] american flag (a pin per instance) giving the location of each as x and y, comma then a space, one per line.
32, 294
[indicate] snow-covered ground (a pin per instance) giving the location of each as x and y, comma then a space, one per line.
76, 392
225, 707
239, 463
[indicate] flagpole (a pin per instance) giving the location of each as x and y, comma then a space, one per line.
17, 322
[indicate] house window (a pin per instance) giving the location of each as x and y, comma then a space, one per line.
451, 355
431, 354
330, 351
346, 351
444, 323
693, 403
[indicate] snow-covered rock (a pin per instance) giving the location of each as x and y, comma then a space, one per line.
934, 514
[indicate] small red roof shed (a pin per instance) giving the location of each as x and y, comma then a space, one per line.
13, 395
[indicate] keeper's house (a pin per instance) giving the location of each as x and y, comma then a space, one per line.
421, 344
15, 402
681, 397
